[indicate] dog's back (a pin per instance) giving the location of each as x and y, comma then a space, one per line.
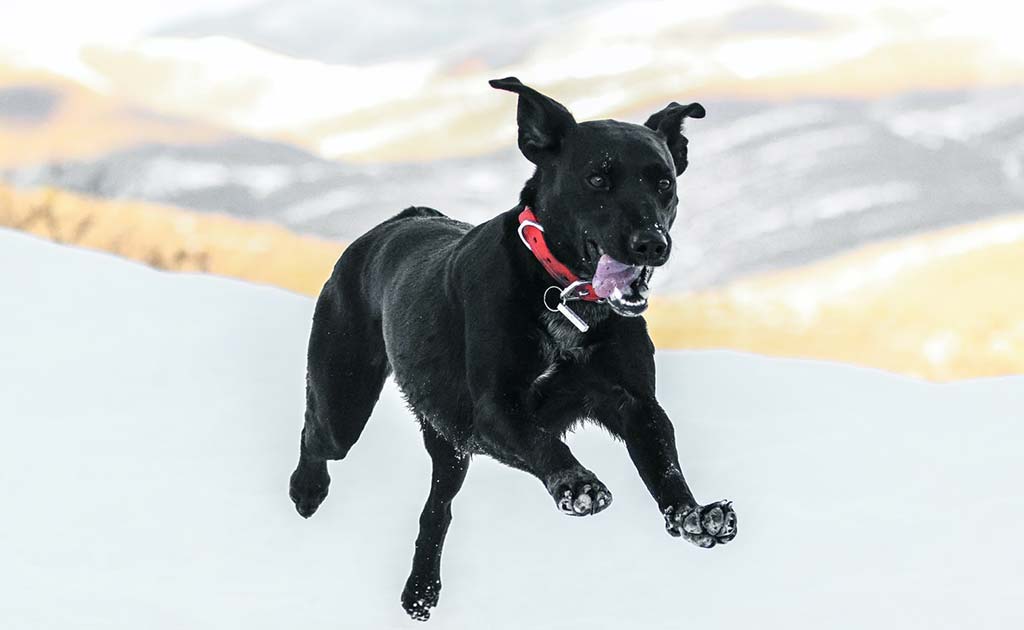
409, 242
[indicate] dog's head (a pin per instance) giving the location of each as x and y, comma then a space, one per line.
605, 190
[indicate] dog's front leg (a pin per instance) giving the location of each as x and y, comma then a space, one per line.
509, 433
501, 366
650, 440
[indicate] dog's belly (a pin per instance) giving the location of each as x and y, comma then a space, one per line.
423, 340
427, 364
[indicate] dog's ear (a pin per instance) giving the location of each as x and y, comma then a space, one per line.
543, 122
669, 123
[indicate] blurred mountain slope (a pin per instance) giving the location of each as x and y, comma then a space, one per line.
830, 126
44, 117
771, 185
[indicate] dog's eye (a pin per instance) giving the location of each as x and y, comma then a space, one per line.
598, 181
664, 184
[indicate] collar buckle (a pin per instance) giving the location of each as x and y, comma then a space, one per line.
525, 223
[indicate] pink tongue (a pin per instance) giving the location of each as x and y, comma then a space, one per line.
611, 275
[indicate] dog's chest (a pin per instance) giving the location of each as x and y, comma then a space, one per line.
561, 342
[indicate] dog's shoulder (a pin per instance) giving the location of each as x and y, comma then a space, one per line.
483, 256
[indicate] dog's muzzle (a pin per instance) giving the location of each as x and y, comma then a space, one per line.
624, 287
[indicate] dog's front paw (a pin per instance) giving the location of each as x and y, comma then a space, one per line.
580, 494
420, 595
704, 526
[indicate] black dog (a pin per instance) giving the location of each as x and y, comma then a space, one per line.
491, 356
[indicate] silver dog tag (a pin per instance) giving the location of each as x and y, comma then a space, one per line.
573, 318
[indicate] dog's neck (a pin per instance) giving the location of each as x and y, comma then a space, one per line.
534, 280
531, 233
530, 197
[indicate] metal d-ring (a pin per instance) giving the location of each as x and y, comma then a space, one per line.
564, 309
553, 309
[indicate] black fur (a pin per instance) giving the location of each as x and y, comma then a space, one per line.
455, 313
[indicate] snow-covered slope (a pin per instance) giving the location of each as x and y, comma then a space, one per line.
150, 422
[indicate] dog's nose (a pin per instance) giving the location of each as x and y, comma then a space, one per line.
649, 247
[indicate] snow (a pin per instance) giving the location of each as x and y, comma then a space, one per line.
150, 422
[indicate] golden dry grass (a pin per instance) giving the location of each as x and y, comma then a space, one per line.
174, 239
943, 306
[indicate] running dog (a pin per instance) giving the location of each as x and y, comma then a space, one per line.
505, 335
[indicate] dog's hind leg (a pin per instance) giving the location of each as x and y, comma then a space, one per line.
449, 470
346, 371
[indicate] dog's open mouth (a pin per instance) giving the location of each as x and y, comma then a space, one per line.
624, 287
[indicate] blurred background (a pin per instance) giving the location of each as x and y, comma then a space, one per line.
855, 192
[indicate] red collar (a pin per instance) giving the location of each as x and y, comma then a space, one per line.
532, 234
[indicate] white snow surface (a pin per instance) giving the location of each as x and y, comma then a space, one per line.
150, 422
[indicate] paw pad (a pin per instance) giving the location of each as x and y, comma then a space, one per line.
704, 526
582, 498
418, 598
